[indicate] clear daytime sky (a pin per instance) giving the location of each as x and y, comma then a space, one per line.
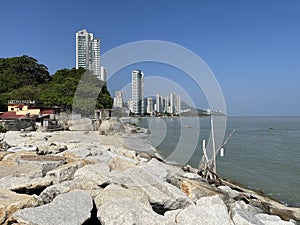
252, 46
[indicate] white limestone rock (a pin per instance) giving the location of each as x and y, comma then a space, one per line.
52, 191
272, 219
71, 208
64, 172
231, 193
95, 172
127, 211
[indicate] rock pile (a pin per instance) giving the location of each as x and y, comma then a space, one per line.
82, 181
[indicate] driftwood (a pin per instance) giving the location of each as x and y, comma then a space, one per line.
207, 167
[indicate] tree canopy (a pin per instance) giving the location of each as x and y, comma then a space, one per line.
24, 78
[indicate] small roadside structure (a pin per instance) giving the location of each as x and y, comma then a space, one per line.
26, 114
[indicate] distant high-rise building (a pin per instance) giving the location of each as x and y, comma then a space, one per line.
159, 103
118, 100
88, 52
166, 104
172, 103
103, 73
137, 92
178, 105
149, 105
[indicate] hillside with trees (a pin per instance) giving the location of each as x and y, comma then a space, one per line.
23, 78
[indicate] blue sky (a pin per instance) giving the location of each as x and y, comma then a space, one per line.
252, 46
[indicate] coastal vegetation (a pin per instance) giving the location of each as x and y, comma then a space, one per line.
24, 78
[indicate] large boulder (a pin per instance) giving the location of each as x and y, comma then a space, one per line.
10, 202
121, 163
208, 210
74, 207
11, 168
272, 220
162, 195
245, 214
53, 148
47, 162
242, 213
25, 184
52, 191
127, 211
95, 172
64, 172
113, 192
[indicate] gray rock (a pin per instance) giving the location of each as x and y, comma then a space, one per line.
241, 213
83, 153
11, 168
117, 192
52, 191
171, 169
231, 193
10, 202
24, 184
160, 193
105, 127
47, 162
53, 148
208, 210
156, 169
124, 152
127, 211
272, 220
28, 148
100, 158
96, 172
64, 172
71, 208
192, 176
172, 215
121, 163
215, 209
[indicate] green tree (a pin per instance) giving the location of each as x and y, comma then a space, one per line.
20, 71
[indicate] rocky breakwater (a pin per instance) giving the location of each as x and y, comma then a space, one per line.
79, 178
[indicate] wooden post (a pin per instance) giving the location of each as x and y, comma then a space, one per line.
213, 143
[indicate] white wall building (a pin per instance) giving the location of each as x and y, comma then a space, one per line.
118, 100
88, 51
103, 73
166, 104
178, 105
159, 103
172, 103
150, 105
137, 92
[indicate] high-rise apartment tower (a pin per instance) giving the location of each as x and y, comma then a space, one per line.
88, 52
137, 92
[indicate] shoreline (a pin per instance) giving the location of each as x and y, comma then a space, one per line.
80, 150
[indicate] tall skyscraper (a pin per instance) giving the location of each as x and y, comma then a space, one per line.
88, 52
118, 99
178, 105
137, 92
166, 104
172, 103
159, 103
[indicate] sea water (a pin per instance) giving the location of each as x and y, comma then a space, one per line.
263, 152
